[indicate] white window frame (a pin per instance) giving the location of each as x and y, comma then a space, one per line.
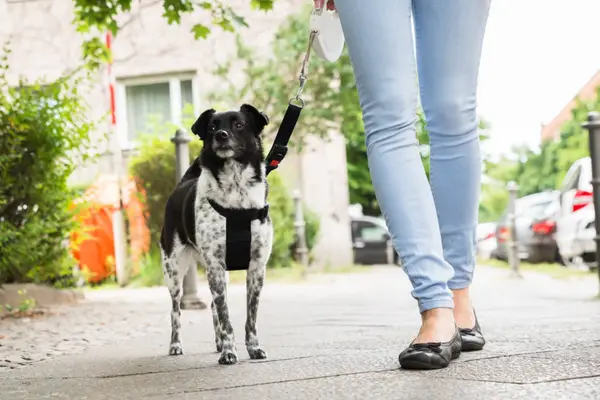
174, 81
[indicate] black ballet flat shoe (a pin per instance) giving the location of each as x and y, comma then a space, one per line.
472, 339
431, 355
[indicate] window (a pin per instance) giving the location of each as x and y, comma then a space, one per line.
143, 102
370, 232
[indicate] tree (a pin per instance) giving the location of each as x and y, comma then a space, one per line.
545, 169
93, 17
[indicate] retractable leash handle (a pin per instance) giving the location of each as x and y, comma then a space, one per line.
327, 40
330, 40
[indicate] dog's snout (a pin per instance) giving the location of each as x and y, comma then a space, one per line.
221, 135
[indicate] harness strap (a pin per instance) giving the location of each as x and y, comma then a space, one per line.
279, 148
238, 235
249, 214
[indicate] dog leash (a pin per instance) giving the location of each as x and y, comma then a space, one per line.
292, 114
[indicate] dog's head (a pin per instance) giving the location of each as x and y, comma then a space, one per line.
231, 134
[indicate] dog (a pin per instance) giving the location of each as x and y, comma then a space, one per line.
218, 215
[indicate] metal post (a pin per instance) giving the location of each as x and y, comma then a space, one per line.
389, 251
299, 225
593, 127
190, 299
513, 247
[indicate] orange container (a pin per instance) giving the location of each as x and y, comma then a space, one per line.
93, 244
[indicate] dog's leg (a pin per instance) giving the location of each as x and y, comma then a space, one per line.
254, 283
217, 281
173, 278
217, 325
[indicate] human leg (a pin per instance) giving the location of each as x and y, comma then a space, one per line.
449, 37
379, 38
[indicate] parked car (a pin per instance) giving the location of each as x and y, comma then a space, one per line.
371, 241
575, 225
486, 240
536, 216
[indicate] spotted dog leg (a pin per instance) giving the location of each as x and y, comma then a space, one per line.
174, 283
254, 284
217, 281
217, 325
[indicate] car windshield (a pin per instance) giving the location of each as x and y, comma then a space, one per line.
534, 207
540, 210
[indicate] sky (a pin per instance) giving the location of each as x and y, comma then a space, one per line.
537, 55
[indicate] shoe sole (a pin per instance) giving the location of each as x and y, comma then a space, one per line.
472, 346
418, 366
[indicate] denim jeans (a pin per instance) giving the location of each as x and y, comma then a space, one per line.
432, 225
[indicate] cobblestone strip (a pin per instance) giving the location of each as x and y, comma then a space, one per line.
101, 319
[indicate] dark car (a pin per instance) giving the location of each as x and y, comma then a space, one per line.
535, 228
371, 242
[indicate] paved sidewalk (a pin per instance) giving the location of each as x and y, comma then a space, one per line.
335, 337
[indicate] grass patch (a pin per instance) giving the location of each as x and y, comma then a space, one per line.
294, 273
553, 270
151, 274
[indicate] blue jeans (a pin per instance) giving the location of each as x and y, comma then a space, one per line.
432, 225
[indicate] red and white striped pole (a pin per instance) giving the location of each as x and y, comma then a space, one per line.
111, 83
120, 228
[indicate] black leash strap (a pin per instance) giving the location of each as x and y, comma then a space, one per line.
290, 119
279, 148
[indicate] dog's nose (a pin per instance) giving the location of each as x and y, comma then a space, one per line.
221, 135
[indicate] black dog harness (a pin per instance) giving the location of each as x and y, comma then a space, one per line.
238, 235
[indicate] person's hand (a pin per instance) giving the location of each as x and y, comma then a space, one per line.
330, 4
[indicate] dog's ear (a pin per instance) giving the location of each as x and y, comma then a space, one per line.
200, 127
260, 119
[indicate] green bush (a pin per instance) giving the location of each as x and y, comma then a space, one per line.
313, 223
43, 133
153, 167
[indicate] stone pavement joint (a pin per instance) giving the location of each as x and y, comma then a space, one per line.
336, 337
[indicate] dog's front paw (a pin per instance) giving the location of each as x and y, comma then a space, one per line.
175, 349
228, 358
256, 353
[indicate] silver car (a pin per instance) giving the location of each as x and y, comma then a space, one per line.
535, 228
575, 226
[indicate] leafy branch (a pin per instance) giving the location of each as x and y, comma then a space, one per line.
94, 17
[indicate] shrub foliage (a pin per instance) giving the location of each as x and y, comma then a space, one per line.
43, 135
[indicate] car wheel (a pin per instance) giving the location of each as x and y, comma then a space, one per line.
573, 262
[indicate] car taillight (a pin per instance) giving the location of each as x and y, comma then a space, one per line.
582, 198
503, 234
544, 227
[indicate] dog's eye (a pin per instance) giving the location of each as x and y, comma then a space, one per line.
239, 125
212, 127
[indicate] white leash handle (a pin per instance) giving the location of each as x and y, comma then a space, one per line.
329, 38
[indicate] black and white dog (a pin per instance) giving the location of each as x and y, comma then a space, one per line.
217, 216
